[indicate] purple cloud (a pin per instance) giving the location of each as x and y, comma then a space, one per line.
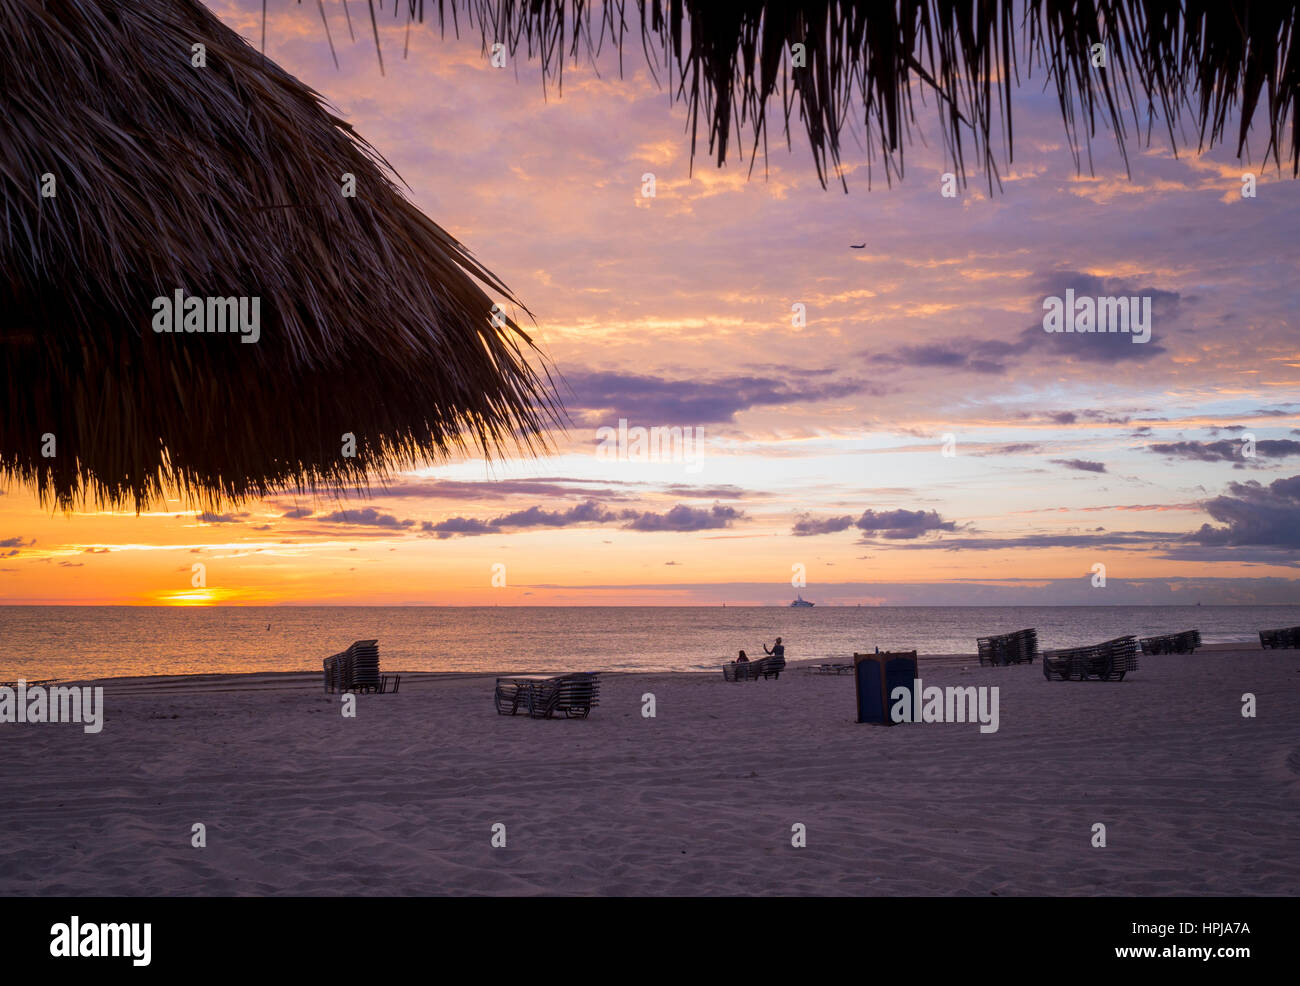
1082, 465
1227, 451
902, 525
366, 517
1253, 514
806, 525
682, 518
648, 401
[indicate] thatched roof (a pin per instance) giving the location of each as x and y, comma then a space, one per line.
222, 181
871, 65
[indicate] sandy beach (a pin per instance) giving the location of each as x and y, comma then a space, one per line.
700, 799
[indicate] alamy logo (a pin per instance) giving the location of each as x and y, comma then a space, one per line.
88, 941
951, 704
62, 703
1132, 315
657, 444
180, 314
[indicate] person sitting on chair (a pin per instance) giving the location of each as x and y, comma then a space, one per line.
742, 659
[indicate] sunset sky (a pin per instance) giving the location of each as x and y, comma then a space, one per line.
822, 445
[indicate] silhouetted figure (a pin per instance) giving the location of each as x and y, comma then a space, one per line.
778, 649
742, 659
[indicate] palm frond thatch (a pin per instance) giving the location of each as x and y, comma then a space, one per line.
223, 181
868, 63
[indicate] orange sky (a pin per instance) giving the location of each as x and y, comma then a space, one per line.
823, 443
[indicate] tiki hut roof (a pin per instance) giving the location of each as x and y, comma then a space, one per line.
222, 181
869, 64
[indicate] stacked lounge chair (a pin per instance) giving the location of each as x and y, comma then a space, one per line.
1020, 647
1172, 643
357, 670
1286, 637
832, 669
763, 667
545, 697
1108, 661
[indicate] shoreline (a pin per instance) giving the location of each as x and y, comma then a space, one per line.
285, 678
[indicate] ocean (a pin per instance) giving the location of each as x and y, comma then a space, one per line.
113, 641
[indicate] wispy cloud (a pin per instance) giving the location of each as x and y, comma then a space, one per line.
1081, 465
1228, 451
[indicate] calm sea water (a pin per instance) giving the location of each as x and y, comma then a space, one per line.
110, 641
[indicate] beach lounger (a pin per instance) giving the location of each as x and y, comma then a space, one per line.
545, 697
335, 679
1020, 647
576, 695
739, 671
365, 666
1172, 643
1286, 637
763, 667
511, 694
771, 667
357, 670
1108, 661
570, 695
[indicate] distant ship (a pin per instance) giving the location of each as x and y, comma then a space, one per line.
802, 602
